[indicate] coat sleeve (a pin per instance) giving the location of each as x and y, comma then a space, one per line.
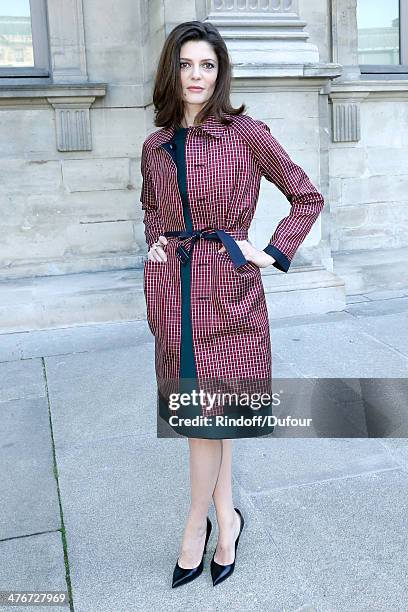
305, 200
151, 219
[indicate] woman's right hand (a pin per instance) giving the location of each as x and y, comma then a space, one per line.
156, 251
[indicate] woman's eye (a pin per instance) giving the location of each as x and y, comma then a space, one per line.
207, 64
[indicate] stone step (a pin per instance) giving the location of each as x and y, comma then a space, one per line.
303, 290
53, 302
372, 269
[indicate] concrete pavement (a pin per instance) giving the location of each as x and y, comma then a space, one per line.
93, 503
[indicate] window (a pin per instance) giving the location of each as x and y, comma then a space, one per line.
23, 39
382, 36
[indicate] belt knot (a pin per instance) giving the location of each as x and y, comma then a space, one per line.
220, 235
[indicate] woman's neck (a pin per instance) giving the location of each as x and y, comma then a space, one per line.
188, 121
187, 124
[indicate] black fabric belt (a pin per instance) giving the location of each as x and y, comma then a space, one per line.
227, 240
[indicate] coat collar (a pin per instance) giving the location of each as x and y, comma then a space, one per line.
211, 126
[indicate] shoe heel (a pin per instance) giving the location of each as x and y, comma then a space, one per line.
209, 528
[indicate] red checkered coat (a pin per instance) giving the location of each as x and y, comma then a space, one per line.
224, 167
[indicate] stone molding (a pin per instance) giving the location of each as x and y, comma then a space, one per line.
346, 99
71, 103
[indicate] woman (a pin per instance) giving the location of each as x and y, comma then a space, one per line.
202, 281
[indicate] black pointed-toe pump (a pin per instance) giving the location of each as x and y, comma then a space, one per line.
220, 572
183, 575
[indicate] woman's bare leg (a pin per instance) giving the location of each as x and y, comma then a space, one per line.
205, 462
227, 519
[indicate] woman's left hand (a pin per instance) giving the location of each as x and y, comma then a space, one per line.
259, 258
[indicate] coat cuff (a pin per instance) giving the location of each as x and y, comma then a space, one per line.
282, 262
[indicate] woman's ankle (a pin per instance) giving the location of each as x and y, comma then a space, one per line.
226, 517
197, 522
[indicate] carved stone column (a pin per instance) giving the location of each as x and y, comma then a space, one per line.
68, 56
67, 41
346, 103
265, 35
344, 37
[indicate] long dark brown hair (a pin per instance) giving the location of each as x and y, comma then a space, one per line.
167, 98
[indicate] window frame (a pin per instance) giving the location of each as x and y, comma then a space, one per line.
41, 51
392, 69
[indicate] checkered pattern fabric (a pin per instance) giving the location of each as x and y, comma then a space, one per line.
224, 167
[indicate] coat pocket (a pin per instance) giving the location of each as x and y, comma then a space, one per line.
238, 293
153, 287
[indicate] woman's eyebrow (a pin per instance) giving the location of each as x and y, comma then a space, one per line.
207, 59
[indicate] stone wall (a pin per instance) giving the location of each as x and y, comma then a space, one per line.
369, 180
78, 210
74, 211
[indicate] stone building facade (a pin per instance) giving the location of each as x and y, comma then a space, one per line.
72, 126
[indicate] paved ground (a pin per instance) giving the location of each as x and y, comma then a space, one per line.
90, 498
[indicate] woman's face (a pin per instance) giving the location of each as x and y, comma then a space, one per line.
198, 68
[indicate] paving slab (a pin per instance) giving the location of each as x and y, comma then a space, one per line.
271, 464
386, 294
375, 308
102, 394
29, 500
315, 319
390, 329
10, 347
339, 349
345, 537
76, 339
21, 379
33, 563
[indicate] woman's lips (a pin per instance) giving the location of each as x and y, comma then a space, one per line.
195, 88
